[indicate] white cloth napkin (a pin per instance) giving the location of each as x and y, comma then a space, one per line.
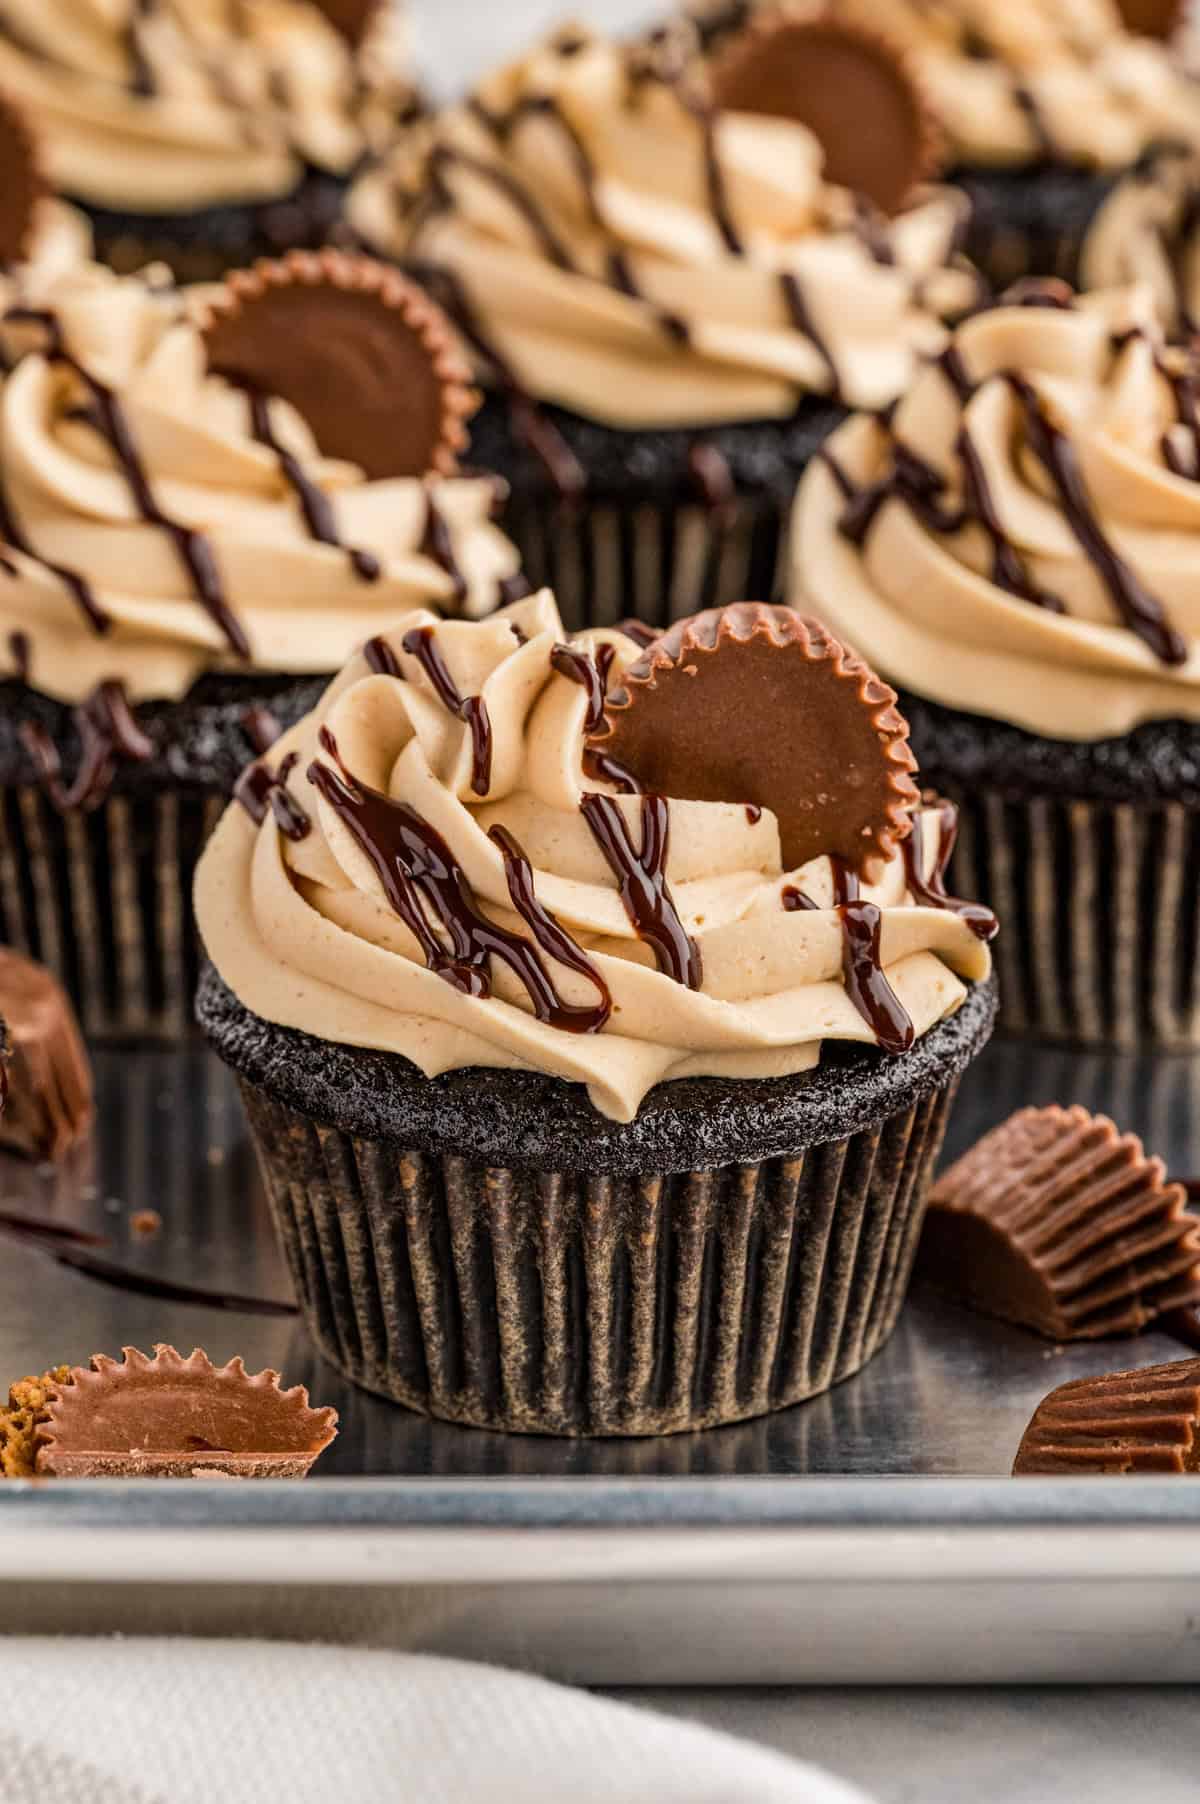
256, 1722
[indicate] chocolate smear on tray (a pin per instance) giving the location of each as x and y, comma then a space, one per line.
21, 185
752, 703
170, 1417
49, 1079
361, 353
27, 1409
1117, 1422
1058, 1221
852, 89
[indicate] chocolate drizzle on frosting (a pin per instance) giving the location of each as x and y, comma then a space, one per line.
470, 709
108, 734
930, 892
315, 505
438, 547
590, 673
423, 881
259, 788
862, 964
641, 879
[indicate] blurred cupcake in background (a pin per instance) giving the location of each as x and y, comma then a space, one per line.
672, 290
199, 521
1051, 110
202, 133
1016, 549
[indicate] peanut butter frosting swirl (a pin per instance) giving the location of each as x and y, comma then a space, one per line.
1148, 231
159, 106
1016, 81
157, 522
1020, 541
619, 246
425, 868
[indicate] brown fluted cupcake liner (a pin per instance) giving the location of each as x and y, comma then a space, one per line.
658, 563
1101, 910
559, 1302
103, 897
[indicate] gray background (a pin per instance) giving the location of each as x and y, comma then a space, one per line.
946, 1747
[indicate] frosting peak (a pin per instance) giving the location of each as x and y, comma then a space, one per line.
625, 249
488, 898
159, 521
1019, 540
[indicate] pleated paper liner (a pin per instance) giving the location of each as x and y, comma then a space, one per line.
1125, 1422
562, 1303
658, 564
1101, 911
104, 899
1031, 221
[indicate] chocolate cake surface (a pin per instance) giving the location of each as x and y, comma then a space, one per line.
517, 1118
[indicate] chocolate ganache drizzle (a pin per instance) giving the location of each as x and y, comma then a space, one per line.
512, 926
610, 240
1051, 458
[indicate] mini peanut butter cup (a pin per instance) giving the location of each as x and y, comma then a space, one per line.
1061, 1223
1152, 18
360, 352
49, 1104
758, 704
1147, 1421
170, 1417
21, 184
853, 89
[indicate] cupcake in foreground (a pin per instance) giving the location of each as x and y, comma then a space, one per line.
1060, 121
597, 1013
160, 1417
200, 520
1015, 550
670, 298
200, 133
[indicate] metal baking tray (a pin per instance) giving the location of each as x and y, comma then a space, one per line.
871, 1535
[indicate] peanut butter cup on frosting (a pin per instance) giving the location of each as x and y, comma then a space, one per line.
342, 339
1060, 1222
170, 1417
668, 300
1013, 548
757, 704
21, 186
1063, 124
185, 557
473, 974
831, 75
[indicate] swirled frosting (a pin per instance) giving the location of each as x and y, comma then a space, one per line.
622, 250
60, 241
1013, 81
150, 531
1148, 231
160, 106
1021, 540
305, 928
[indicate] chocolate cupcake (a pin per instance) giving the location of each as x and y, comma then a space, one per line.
670, 292
202, 516
204, 135
1049, 112
582, 1110
1013, 549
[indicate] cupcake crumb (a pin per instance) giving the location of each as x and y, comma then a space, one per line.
28, 1408
145, 1223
